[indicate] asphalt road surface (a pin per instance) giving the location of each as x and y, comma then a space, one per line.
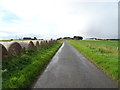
70, 69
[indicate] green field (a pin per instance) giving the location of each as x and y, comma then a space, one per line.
102, 53
21, 71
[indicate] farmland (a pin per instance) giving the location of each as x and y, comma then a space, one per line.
19, 71
103, 54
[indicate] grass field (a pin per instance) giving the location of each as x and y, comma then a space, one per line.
102, 53
21, 71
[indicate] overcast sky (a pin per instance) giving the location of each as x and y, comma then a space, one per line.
58, 18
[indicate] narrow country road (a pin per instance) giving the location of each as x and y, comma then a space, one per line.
70, 69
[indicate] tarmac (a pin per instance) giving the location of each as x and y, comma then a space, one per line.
70, 69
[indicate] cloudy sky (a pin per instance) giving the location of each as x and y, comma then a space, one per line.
58, 18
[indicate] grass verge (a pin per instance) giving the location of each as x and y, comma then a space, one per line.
20, 71
103, 53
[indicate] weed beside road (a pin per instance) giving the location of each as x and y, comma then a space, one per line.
21, 71
103, 53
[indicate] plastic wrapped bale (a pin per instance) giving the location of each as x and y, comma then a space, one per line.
3, 52
12, 48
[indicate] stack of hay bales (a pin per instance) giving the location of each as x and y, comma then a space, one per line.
11, 47
15, 47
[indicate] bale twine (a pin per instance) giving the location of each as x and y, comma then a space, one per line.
3, 52
12, 47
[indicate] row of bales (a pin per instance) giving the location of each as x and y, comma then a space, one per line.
16, 47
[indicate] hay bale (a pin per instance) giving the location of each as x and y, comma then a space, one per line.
43, 43
36, 44
3, 52
12, 47
48, 42
40, 43
0, 53
31, 45
26, 44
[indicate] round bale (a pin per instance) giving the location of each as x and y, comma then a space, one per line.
12, 47
26, 44
4, 52
36, 44
31, 45
40, 43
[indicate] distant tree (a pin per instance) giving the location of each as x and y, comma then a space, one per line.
27, 38
78, 37
35, 38
59, 38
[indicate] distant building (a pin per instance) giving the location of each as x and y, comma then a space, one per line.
40, 39
91, 39
77, 38
27, 38
59, 38
34, 38
68, 38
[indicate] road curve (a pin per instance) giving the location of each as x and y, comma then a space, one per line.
70, 69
